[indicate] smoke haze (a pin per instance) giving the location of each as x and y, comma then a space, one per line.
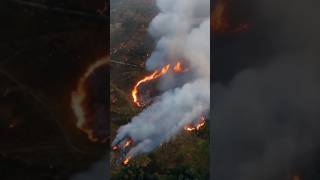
267, 114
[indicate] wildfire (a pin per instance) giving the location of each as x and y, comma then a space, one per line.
78, 97
201, 123
128, 143
173, 68
155, 75
189, 128
177, 67
123, 144
126, 160
114, 148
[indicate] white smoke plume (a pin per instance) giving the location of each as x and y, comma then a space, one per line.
182, 30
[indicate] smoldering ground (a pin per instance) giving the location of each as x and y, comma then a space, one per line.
266, 116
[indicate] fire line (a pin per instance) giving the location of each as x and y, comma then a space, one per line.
177, 68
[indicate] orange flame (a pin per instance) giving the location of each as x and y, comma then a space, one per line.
114, 148
128, 143
155, 75
201, 123
189, 128
126, 160
177, 67
78, 97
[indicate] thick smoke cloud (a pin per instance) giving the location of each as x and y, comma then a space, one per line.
267, 117
175, 26
182, 30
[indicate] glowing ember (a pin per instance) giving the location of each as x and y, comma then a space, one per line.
114, 148
126, 160
189, 128
201, 123
78, 97
128, 143
155, 75
177, 67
